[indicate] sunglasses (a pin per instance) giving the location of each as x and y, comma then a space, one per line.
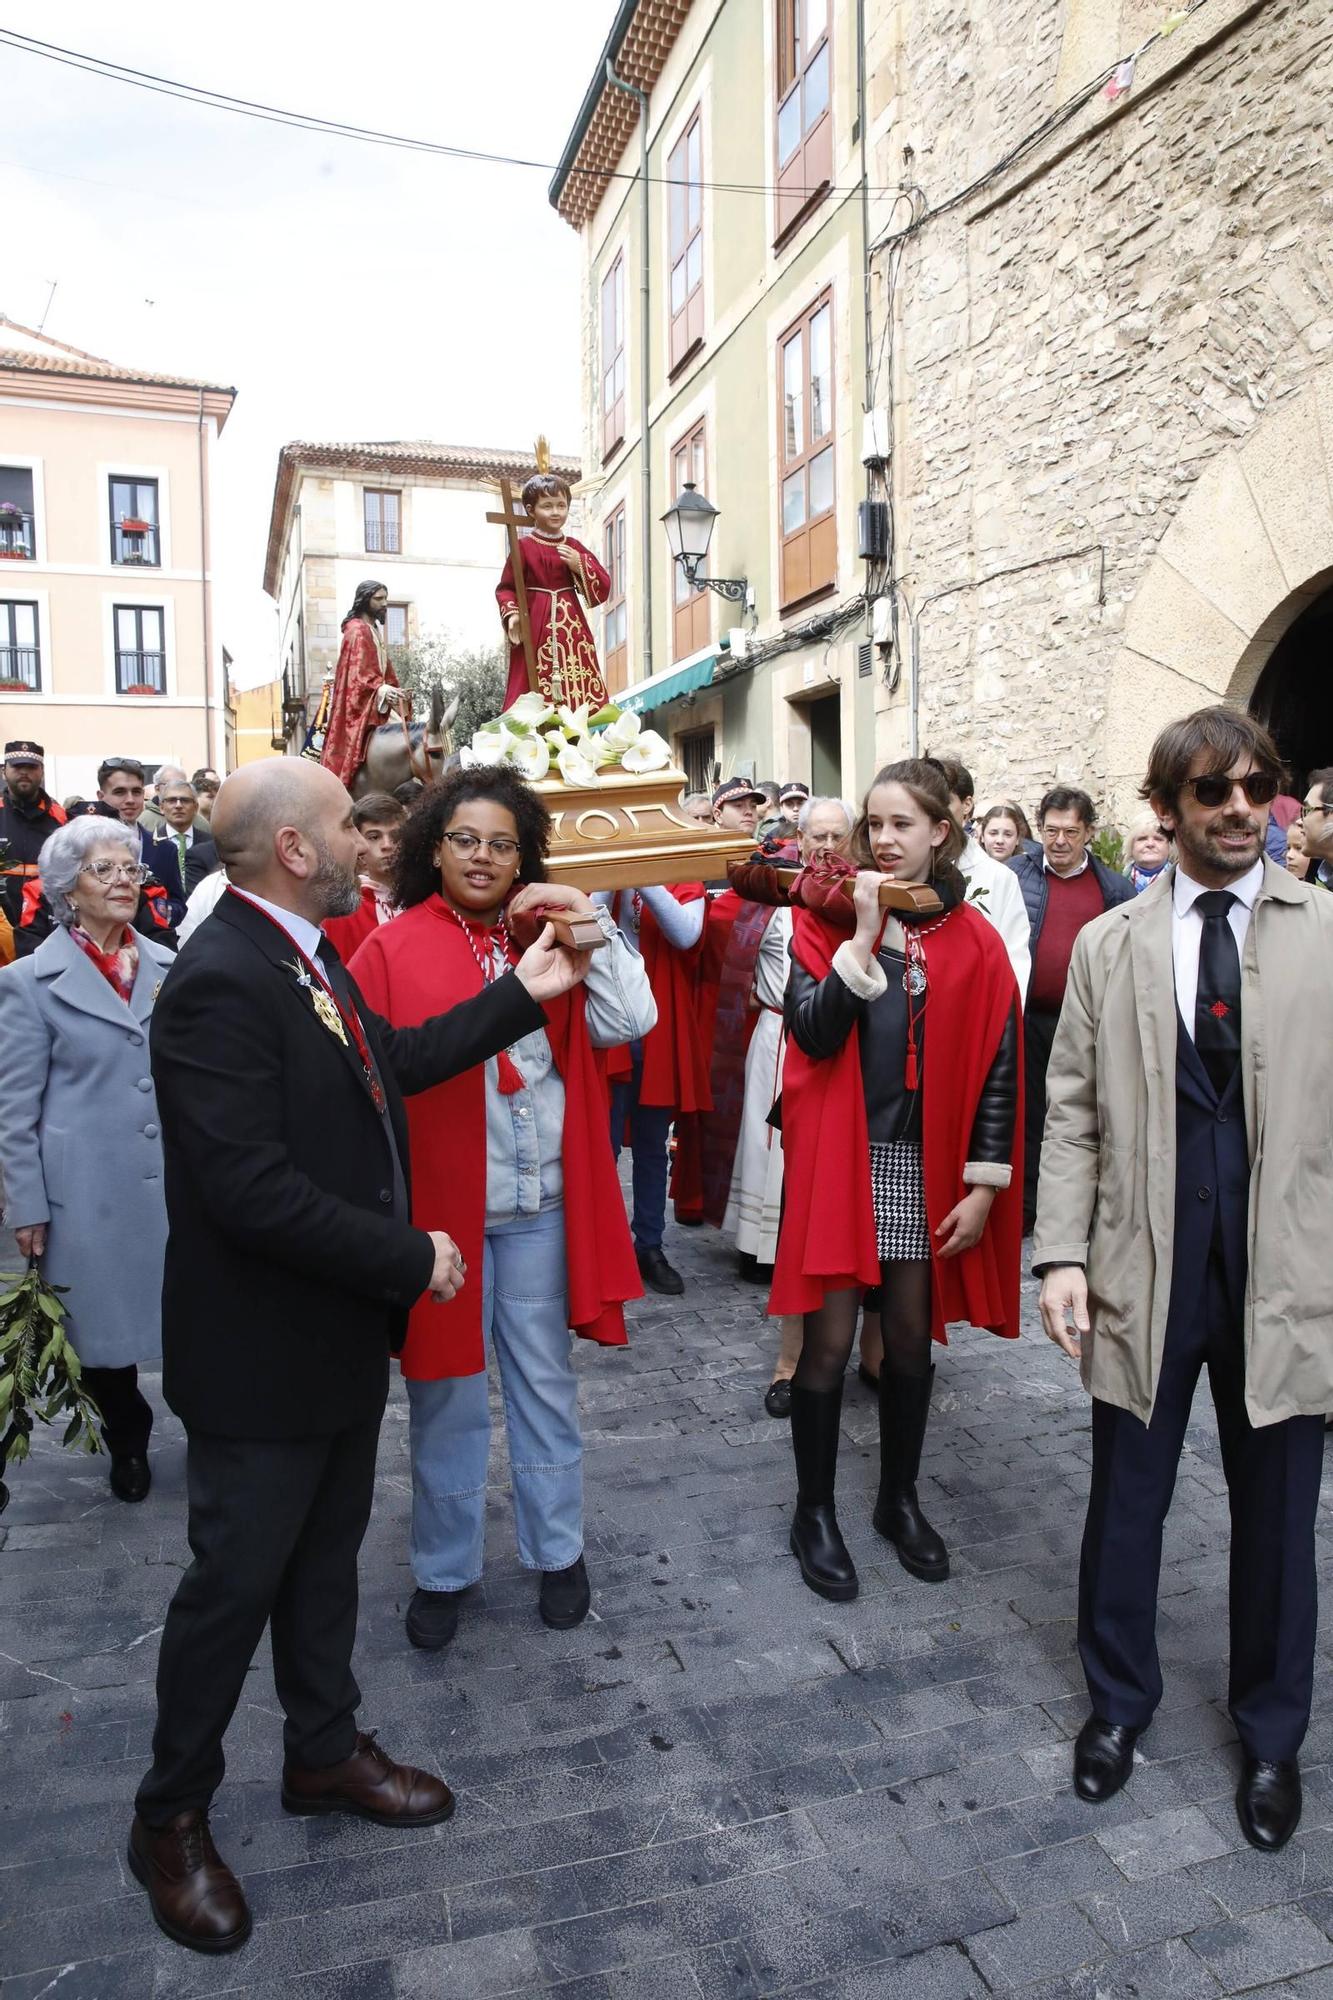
1215, 788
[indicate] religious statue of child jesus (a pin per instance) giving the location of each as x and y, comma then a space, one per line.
561, 576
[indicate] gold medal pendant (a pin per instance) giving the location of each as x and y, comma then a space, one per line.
328, 1013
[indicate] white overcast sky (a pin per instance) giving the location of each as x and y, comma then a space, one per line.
346, 291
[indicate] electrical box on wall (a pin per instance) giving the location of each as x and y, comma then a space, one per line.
872, 530
875, 437
881, 621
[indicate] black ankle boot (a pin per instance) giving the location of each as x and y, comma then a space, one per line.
904, 1406
815, 1539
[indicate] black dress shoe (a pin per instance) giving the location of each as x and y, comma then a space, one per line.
777, 1400
658, 1275
432, 1618
566, 1596
1268, 1802
130, 1478
1103, 1758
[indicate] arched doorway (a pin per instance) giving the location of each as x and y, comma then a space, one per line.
1293, 696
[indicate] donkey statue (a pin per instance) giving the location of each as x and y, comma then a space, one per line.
394, 753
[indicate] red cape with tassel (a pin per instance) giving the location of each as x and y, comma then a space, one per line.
409, 970
675, 1059
827, 1241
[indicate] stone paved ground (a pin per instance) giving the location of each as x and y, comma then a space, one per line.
719, 1786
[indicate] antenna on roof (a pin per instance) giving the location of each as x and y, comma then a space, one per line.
52, 282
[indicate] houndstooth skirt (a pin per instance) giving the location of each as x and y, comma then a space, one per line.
902, 1234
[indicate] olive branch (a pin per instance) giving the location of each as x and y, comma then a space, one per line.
40, 1373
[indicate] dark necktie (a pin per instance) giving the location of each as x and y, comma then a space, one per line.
1217, 1007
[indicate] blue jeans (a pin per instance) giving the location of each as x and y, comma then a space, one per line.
649, 1129
525, 1321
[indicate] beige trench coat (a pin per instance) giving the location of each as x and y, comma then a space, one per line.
1108, 1165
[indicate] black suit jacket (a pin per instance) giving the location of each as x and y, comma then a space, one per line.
201, 858
288, 1278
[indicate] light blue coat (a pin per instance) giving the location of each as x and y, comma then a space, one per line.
80, 1144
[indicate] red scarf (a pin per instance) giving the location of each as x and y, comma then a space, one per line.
408, 971
675, 1058
118, 967
827, 1240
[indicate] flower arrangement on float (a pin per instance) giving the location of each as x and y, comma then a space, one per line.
541, 739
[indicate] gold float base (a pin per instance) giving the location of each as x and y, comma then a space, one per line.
628, 832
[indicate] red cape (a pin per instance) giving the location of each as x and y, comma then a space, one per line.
675, 1057
353, 714
409, 970
346, 934
827, 1240
687, 1174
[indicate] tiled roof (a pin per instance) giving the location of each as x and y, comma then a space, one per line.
440, 461
401, 456
55, 357
641, 39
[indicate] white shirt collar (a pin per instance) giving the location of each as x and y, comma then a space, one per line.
1074, 875
1185, 891
299, 929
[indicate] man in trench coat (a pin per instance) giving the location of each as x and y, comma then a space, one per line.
1182, 1221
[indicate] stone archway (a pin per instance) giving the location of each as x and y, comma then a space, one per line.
1243, 563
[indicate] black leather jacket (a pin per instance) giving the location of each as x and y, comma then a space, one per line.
820, 1014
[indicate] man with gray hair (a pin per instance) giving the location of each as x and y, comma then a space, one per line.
292, 1261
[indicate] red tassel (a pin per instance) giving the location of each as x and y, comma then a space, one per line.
508, 1076
910, 1076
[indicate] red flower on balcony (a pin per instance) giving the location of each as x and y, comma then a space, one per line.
135, 527
141, 687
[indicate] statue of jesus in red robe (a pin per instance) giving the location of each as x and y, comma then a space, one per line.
365, 686
561, 576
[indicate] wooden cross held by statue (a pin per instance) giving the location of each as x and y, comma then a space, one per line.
511, 522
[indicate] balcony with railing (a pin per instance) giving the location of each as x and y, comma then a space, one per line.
20, 670
141, 673
135, 543
18, 543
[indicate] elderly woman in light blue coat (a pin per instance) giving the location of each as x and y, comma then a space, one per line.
80, 1149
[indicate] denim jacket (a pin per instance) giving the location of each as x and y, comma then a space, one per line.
524, 1172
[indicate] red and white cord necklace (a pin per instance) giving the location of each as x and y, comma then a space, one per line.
509, 1077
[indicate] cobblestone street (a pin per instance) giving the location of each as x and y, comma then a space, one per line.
719, 1786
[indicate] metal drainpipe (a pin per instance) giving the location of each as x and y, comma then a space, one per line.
645, 452
210, 748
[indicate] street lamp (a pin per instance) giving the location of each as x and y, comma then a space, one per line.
689, 525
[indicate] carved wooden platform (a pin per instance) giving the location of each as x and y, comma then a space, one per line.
628, 831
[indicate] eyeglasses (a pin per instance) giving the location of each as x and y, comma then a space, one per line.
465, 845
1307, 809
1215, 788
115, 871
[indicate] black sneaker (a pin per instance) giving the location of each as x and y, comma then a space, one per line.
565, 1596
658, 1275
432, 1618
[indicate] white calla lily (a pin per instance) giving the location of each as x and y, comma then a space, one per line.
530, 711
574, 721
490, 746
597, 750
531, 758
576, 768
649, 752
623, 731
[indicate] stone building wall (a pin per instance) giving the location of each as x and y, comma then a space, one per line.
1076, 345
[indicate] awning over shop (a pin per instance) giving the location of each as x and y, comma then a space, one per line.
670, 684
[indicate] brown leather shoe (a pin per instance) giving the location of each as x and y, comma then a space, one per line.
192, 1893
371, 1785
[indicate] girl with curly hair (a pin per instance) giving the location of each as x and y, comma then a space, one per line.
515, 1157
